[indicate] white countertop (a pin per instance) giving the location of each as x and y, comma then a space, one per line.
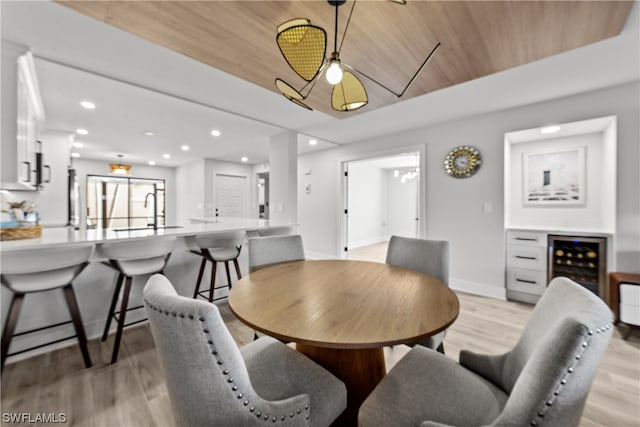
59, 237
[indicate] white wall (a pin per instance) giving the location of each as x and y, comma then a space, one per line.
587, 216
86, 167
367, 205
190, 179
454, 206
283, 165
402, 205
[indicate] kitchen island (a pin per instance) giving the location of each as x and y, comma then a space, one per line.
94, 286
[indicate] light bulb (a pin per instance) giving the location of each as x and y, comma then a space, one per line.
334, 73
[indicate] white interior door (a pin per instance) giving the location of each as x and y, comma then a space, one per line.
231, 196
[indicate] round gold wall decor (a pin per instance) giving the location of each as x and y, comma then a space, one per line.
462, 162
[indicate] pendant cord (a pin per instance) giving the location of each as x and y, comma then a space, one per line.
353, 6
335, 35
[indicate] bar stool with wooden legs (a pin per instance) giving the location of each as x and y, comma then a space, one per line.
130, 259
220, 247
42, 270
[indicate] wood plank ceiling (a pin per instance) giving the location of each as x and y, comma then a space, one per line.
387, 41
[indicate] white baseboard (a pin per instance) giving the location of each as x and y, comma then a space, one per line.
478, 289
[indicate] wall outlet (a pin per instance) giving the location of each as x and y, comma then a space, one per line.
487, 207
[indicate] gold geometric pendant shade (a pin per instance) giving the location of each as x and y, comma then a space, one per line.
303, 46
291, 94
349, 94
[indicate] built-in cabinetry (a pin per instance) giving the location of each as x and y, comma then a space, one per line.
560, 206
526, 265
535, 257
22, 119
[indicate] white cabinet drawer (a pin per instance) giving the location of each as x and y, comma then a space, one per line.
527, 238
630, 314
531, 257
630, 294
531, 282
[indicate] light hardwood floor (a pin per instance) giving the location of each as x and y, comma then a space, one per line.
133, 393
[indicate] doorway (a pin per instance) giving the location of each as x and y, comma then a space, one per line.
381, 199
263, 195
231, 197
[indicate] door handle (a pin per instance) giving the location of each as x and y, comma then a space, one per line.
48, 169
28, 174
532, 282
526, 257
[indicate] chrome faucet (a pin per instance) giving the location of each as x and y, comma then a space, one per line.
155, 205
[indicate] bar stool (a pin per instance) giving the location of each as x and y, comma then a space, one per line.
220, 247
129, 259
39, 271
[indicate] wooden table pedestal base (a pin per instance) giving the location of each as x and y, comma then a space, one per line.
360, 369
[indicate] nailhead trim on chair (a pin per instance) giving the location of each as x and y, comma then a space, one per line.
220, 363
571, 369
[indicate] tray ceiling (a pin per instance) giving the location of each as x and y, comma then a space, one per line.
387, 41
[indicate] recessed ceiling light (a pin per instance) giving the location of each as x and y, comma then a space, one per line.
149, 133
550, 129
88, 105
166, 156
215, 132
313, 142
75, 154
152, 163
185, 148
78, 144
244, 159
81, 131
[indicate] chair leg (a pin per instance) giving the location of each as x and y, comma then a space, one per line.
121, 317
112, 307
237, 266
203, 264
627, 333
72, 303
441, 348
10, 324
226, 267
214, 269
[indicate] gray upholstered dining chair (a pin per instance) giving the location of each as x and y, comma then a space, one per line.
430, 257
544, 380
213, 382
269, 250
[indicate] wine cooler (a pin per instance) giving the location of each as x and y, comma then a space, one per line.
581, 259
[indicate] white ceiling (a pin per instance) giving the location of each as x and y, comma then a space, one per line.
201, 96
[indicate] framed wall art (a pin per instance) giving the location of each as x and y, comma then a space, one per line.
554, 177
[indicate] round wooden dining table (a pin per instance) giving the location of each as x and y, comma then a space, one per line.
342, 313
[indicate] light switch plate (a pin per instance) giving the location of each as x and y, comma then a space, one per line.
487, 207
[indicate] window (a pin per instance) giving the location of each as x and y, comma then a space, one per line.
121, 202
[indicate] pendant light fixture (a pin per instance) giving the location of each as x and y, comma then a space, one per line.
304, 46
